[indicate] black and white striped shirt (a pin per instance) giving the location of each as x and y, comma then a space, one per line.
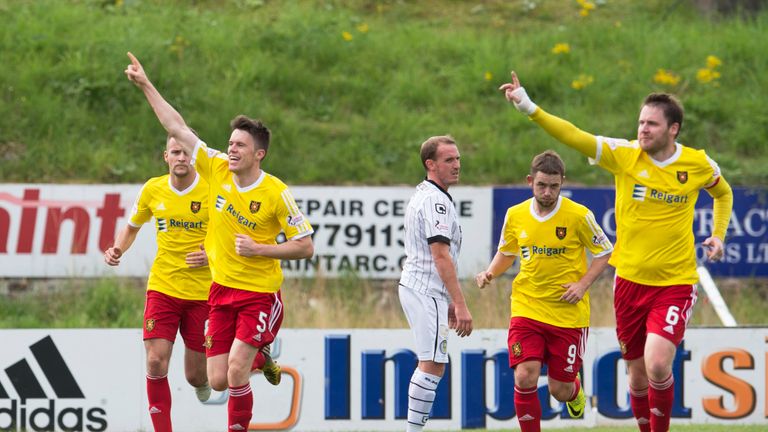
430, 217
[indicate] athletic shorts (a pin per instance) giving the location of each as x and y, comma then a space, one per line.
165, 315
428, 318
561, 349
252, 317
642, 309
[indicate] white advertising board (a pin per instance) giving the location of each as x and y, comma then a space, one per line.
62, 230
345, 380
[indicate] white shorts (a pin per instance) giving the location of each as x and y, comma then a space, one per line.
428, 318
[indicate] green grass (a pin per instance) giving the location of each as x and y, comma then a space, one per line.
411, 70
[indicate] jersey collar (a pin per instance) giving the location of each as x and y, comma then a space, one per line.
439, 188
188, 189
550, 215
251, 186
670, 160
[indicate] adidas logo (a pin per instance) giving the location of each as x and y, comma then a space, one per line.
569, 369
657, 412
526, 417
154, 410
669, 329
236, 426
161, 206
227, 187
643, 420
643, 174
28, 386
523, 234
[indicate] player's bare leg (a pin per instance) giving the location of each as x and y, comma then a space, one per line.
194, 370
570, 392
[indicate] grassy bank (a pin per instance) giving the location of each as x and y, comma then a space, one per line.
366, 82
329, 303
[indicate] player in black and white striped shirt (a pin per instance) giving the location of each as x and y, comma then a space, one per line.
429, 286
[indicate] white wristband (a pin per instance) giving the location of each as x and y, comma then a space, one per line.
526, 105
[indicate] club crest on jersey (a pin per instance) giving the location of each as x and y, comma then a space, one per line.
560, 232
255, 206
623, 347
208, 341
682, 176
150, 324
195, 206
440, 208
444, 347
517, 349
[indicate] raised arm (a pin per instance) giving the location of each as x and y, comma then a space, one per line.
560, 129
170, 118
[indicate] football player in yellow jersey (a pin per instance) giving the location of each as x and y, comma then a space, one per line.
249, 208
550, 304
177, 289
657, 183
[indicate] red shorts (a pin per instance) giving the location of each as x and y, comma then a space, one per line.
562, 349
165, 315
251, 317
642, 309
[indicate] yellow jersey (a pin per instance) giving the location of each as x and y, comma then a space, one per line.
552, 251
181, 220
655, 206
261, 211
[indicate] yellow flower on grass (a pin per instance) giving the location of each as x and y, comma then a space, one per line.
488, 76
713, 62
347, 36
707, 75
582, 81
586, 7
561, 48
178, 46
118, 3
666, 77
362, 28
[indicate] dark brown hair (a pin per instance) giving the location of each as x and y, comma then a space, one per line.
548, 162
670, 106
260, 133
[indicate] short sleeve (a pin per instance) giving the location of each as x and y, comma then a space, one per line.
141, 213
292, 220
508, 243
593, 237
437, 215
205, 160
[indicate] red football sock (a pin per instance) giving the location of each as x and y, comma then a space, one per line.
159, 397
258, 361
661, 395
240, 407
638, 400
528, 409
